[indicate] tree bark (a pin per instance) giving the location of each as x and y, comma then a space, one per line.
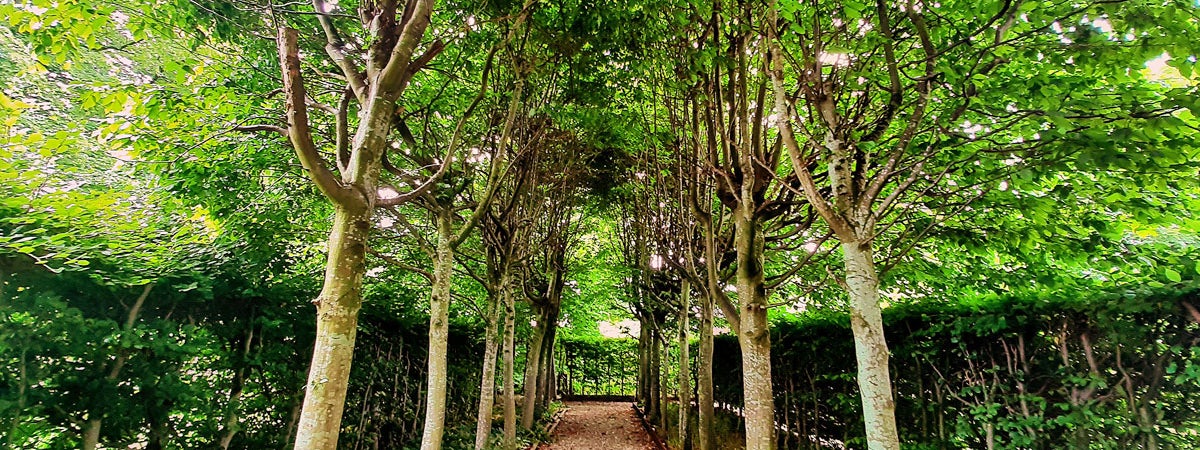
439, 335
487, 385
546, 382
754, 332
871, 351
663, 377
543, 373
160, 431
547, 388
230, 427
91, 434
337, 323
510, 403
643, 387
706, 439
704, 378
531, 373
654, 387
685, 369
353, 198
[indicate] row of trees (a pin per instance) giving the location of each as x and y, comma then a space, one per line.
792, 154
871, 137
436, 173
1113, 369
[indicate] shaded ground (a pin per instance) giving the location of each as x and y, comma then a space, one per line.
599, 426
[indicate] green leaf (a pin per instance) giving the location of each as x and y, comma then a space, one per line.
1172, 275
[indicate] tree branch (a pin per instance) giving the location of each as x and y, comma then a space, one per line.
783, 118
413, 28
401, 265
343, 130
262, 127
298, 128
334, 46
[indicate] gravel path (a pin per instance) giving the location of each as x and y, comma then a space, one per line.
599, 426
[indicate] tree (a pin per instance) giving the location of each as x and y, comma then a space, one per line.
897, 103
504, 231
560, 180
724, 109
391, 62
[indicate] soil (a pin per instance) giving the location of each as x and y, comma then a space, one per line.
599, 426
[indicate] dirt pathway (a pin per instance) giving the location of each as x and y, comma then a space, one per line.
599, 426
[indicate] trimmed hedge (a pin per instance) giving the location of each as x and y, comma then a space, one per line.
596, 366
1114, 371
385, 405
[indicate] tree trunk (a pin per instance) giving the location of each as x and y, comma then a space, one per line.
91, 434
685, 369
756, 374
159, 430
754, 334
654, 387
1146, 420
643, 387
871, 351
231, 418
545, 387
706, 439
235, 392
543, 373
91, 431
354, 196
704, 377
337, 322
487, 385
510, 403
531, 373
663, 393
546, 383
439, 335
293, 420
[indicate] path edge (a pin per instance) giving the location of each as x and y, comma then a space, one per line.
650, 429
554, 421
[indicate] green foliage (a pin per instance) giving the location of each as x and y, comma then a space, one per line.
728, 429
1101, 371
119, 168
384, 404
60, 333
597, 365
